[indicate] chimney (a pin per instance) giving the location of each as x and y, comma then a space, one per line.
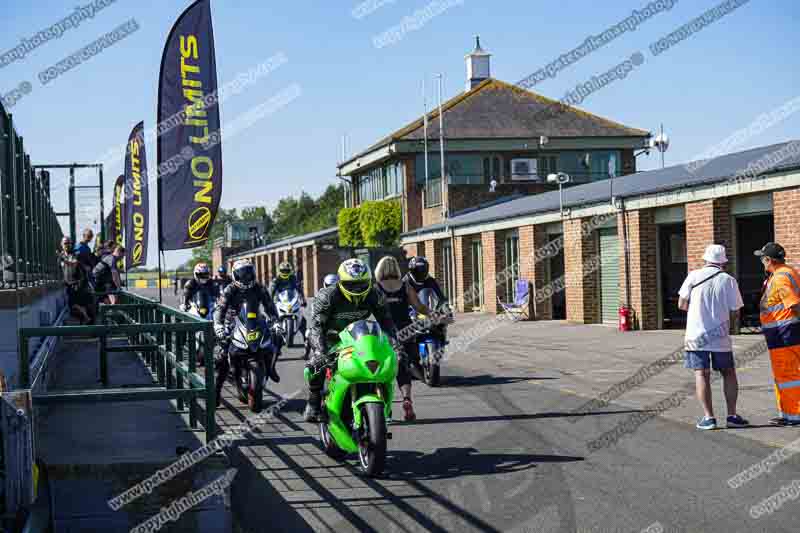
477, 65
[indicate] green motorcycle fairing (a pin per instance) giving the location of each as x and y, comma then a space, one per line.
366, 370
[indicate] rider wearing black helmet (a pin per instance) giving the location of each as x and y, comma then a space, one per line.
353, 298
243, 285
221, 280
418, 277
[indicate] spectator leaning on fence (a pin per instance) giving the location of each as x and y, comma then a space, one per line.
780, 322
77, 286
106, 274
710, 296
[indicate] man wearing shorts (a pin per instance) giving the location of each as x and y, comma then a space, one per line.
711, 296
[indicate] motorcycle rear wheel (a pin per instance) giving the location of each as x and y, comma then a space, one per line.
372, 447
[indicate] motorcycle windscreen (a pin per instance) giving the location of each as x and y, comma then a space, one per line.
248, 314
364, 327
289, 295
428, 299
203, 301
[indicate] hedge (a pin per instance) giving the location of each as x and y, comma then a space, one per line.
350, 227
381, 222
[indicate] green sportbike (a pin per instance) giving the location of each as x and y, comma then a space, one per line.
357, 396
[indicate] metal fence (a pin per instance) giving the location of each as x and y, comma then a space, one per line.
29, 227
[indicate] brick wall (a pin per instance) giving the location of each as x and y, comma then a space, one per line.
628, 162
493, 264
787, 234
416, 248
460, 197
431, 215
707, 222
309, 274
642, 280
412, 198
582, 283
461, 250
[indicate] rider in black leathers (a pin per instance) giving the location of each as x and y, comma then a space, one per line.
244, 284
353, 298
202, 279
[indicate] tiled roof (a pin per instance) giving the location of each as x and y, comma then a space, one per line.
494, 109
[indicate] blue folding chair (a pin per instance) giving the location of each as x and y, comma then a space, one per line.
520, 309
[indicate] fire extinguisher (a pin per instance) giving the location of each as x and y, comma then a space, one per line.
624, 318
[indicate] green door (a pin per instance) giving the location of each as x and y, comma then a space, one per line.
609, 274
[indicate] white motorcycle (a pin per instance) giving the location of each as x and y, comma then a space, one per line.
201, 306
289, 314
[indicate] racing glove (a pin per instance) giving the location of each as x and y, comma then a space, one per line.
219, 331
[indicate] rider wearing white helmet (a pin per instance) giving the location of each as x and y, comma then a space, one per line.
202, 275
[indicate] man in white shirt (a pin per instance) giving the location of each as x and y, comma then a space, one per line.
710, 296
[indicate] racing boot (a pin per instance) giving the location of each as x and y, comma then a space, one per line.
313, 412
272, 371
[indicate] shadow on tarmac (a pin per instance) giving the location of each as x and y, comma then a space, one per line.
446, 463
482, 380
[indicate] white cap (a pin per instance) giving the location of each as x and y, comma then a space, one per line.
715, 253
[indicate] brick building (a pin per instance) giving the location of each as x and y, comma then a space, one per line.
630, 242
314, 255
493, 132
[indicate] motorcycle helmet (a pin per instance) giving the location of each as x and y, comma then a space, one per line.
418, 269
244, 275
355, 280
330, 280
285, 270
202, 273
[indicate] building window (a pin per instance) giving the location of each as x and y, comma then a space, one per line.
496, 174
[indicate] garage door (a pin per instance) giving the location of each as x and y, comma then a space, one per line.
609, 274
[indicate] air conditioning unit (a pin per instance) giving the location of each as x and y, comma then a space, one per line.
524, 170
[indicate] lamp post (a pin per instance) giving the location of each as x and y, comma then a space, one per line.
661, 143
561, 178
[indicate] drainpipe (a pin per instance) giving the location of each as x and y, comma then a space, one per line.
627, 253
452, 263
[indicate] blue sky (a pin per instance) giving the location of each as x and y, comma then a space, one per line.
715, 82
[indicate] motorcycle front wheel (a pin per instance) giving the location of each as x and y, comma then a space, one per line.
431, 372
332, 450
372, 445
290, 333
255, 394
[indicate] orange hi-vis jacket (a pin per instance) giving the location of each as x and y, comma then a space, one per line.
781, 327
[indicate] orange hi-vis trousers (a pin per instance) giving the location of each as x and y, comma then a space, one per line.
781, 327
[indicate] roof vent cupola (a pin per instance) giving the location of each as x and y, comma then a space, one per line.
477, 65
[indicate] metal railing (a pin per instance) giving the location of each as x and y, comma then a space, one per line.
29, 227
164, 339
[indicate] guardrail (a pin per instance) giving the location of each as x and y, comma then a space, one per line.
165, 340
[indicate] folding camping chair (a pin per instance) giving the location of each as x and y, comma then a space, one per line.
520, 309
